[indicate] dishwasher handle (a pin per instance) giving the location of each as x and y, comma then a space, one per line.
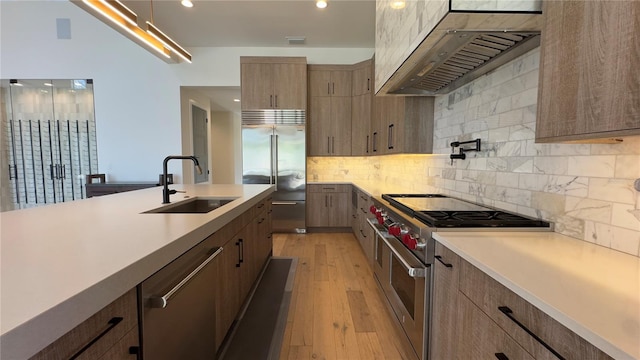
163, 301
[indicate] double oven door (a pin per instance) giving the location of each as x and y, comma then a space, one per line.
405, 282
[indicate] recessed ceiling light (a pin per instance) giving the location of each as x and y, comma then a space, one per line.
236, 100
398, 4
321, 4
48, 84
186, 3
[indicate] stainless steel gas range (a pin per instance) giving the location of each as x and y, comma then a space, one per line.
405, 250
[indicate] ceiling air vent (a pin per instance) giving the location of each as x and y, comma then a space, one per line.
462, 56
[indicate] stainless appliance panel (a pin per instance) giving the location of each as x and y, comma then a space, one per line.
405, 282
178, 303
288, 216
276, 155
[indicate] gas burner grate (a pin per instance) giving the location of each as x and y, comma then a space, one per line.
476, 219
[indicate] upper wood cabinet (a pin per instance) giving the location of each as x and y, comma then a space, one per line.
589, 81
363, 78
273, 82
402, 124
330, 126
329, 110
361, 124
329, 80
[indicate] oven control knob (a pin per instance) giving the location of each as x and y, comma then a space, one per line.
410, 241
395, 230
381, 219
373, 209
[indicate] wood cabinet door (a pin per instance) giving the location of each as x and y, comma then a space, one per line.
445, 299
341, 126
362, 80
228, 289
341, 83
289, 86
361, 125
589, 82
393, 117
339, 209
481, 338
317, 214
319, 134
257, 86
319, 83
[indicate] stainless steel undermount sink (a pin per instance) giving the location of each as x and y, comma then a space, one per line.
192, 206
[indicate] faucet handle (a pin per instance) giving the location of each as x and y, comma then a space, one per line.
171, 192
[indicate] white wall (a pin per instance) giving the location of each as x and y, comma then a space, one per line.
222, 148
137, 95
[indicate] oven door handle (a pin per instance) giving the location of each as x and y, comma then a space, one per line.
415, 270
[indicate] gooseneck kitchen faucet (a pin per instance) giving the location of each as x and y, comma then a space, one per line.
165, 191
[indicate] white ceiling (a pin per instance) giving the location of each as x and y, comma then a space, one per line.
262, 23
259, 23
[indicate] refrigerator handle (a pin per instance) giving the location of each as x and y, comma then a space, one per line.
275, 161
271, 159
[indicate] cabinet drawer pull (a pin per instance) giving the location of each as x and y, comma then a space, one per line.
163, 301
509, 313
111, 324
439, 258
501, 356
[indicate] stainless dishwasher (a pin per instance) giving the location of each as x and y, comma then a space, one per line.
178, 316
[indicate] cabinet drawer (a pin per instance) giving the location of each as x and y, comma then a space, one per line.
329, 188
481, 338
123, 349
509, 310
94, 337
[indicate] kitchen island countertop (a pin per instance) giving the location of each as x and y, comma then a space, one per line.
62, 263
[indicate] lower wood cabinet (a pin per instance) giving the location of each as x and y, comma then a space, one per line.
513, 314
111, 333
328, 205
476, 317
361, 228
446, 270
481, 338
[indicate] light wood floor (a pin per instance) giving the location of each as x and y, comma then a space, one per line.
336, 310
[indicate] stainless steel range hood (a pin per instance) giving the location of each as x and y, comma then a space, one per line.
462, 46
461, 56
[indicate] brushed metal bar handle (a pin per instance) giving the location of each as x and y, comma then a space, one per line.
328, 88
283, 203
414, 272
271, 157
275, 163
328, 145
333, 145
439, 258
112, 323
501, 356
334, 88
163, 301
276, 100
509, 313
270, 100
367, 144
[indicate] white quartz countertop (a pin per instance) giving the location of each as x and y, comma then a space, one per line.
590, 289
62, 263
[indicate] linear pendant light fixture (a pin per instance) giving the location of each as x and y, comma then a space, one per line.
166, 41
125, 19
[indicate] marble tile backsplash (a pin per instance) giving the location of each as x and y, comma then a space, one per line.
586, 190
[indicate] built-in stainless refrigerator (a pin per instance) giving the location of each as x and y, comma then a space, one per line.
276, 154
